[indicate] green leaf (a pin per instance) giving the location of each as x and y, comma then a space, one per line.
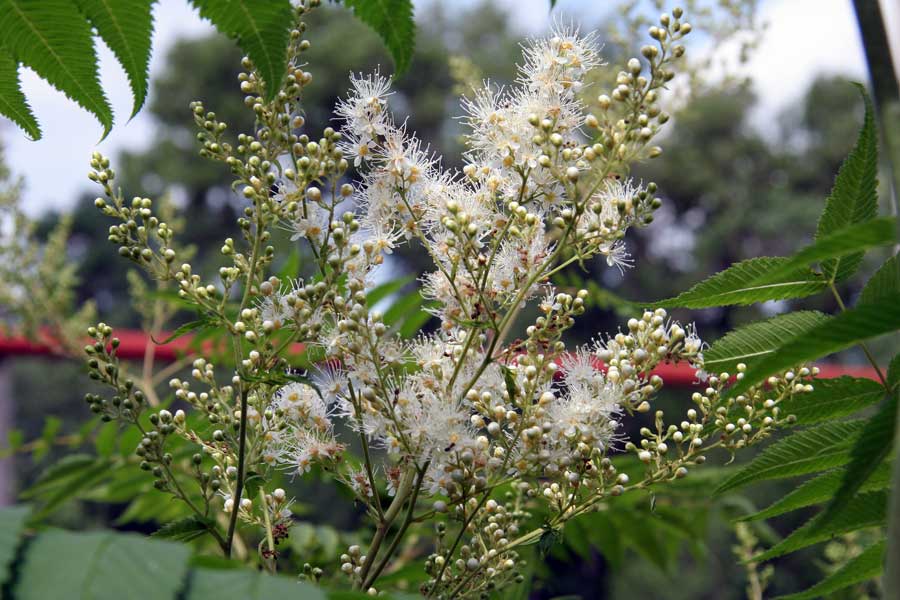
752, 342
261, 28
393, 21
52, 426
201, 323
68, 466
853, 198
885, 282
821, 489
247, 585
852, 239
127, 28
832, 399
402, 307
868, 565
379, 292
53, 38
65, 480
414, 322
13, 104
845, 330
101, 566
807, 451
873, 446
745, 283
864, 510
186, 529
12, 523
107, 436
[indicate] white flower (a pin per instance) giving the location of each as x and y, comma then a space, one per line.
365, 115
557, 63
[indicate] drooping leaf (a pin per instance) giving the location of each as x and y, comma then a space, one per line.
867, 565
752, 342
864, 510
808, 451
415, 321
851, 240
393, 21
12, 522
379, 292
873, 446
13, 104
203, 322
821, 489
127, 28
845, 330
743, 283
101, 566
184, 530
235, 584
854, 198
65, 480
832, 399
403, 307
261, 28
52, 38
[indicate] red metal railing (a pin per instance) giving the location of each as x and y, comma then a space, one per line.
133, 345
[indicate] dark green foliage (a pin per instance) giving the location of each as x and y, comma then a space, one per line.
868, 565
816, 449
108, 565
752, 343
12, 523
393, 21
832, 399
12, 101
854, 198
55, 39
820, 489
126, 26
885, 282
853, 457
874, 445
103, 565
261, 29
864, 510
748, 282
843, 331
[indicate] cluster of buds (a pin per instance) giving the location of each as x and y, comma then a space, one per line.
629, 116
482, 564
630, 357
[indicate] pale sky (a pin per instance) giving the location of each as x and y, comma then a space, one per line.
804, 38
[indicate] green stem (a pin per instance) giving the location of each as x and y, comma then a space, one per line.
270, 540
407, 520
390, 515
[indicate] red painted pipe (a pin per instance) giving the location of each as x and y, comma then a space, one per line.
133, 345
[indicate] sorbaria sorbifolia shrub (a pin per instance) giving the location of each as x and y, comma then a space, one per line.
463, 431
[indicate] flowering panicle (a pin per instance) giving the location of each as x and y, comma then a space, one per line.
444, 419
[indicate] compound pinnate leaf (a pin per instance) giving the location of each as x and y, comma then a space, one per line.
745, 283
809, 451
261, 28
54, 39
126, 26
753, 342
393, 21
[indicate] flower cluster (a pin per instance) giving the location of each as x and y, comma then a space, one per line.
460, 426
